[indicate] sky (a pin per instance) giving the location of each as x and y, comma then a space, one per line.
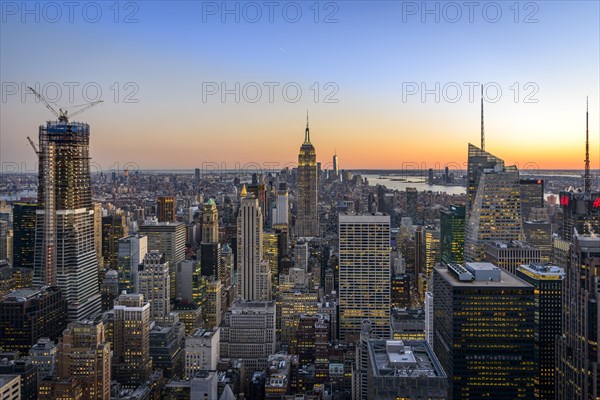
387, 85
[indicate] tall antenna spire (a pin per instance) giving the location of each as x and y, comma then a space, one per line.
307, 133
482, 134
587, 179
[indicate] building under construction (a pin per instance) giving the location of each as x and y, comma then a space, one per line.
65, 255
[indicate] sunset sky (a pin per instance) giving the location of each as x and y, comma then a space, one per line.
371, 57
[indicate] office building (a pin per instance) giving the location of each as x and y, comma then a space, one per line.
166, 209
452, 234
26, 315
84, 354
248, 333
293, 304
578, 358
132, 250
114, 227
509, 255
131, 329
478, 161
581, 212
166, 352
155, 284
364, 274
404, 369
307, 218
484, 331
539, 234
10, 387
43, 355
65, 255
26, 370
495, 213
213, 308
202, 351
281, 216
532, 196
24, 218
98, 237
547, 288
412, 199
169, 239
63, 389
254, 277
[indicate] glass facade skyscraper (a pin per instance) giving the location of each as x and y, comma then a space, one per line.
452, 234
484, 331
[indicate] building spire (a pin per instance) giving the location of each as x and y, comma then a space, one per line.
587, 179
307, 132
482, 133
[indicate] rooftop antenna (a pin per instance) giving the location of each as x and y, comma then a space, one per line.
482, 134
587, 179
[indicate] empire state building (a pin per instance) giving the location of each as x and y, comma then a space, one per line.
307, 221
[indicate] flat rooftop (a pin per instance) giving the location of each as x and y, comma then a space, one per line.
506, 279
407, 359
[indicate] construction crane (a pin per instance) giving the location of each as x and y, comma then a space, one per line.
33, 146
62, 115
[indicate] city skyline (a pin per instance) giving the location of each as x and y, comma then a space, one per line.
362, 102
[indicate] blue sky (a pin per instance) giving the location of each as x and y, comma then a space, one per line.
371, 52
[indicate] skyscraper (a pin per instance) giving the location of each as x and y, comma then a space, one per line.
495, 212
547, 285
65, 254
307, 220
24, 218
155, 284
210, 248
166, 209
452, 234
248, 332
27, 315
532, 196
98, 237
478, 160
484, 331
84, 353
364, 274
114, 227
131, 355
254, 278
132, 250
281, 216
336, 167
210, 222
578, 358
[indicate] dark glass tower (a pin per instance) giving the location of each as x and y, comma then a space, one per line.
452, 235
547, 284
64, 249
578, 358
24, 234
484, 331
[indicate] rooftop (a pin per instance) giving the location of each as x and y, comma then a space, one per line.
506, 279
542, 271
407, 359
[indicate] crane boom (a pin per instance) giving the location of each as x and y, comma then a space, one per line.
43, 100
84, 108
62, 115
33, 145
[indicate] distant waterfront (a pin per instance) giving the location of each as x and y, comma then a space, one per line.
392, 182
